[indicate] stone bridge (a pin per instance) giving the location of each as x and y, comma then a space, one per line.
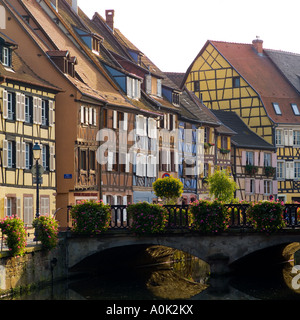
219, 251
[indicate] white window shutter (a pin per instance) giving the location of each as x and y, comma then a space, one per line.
51, 113
261, 187
256, 158
82, 114
5, 104
18, 106
18, 154
35, 110
110, 160
52, 160
127, 165
257, 185
139, 89
247, 185
5, 206
291, 138
90, 115
275, 187
23, 156
125, 121
274, 159
243, 158
104, 198
149, 166
159, 87
94, 116
129, 87
4, 154
86, 115
261, 159
39, 109
115, 119
19, 207
23, 107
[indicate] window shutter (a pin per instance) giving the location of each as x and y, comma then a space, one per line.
274, 159
39, 113
104, 198
159, 87
19, 207
125, 121
51, 113
4, 154
94, 116
149, 166
115, 119
5, 206
86, 111
129, 87
243, 158
52, 161
261, 187
219, 141
23, 156
275, 187
18, 154
82, 114
148, 84
18, 106
291, 138
90, 115
127, 164
247, 185
256, 158
23, 107
261, 160
139, 89
35, 112
5, 104
110, 159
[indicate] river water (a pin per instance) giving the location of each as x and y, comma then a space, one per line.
184, 278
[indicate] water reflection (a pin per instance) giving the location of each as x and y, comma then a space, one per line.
185, 277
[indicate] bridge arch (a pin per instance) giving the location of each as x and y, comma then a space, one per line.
219, 251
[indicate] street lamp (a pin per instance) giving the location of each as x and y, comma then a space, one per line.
36, 156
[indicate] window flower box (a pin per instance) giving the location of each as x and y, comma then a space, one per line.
251, 169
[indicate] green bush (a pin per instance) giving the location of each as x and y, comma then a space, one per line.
147, 218
15, 235
266, 216
169, 189
209, 216
47, 231
90, 217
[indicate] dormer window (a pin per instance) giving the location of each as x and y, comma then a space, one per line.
133, 88
5, 56
95, 45
64, 61
175, 98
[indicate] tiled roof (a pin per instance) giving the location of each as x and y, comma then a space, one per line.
245, 137
288, 63
261, 73
176, 77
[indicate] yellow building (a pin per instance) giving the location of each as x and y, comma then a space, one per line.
27, 116
243, 78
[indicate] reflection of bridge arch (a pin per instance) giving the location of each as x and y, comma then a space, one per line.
220, 251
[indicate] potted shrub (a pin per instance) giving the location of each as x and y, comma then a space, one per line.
209, 216
266, 216
147, 218
169, 189
90, 217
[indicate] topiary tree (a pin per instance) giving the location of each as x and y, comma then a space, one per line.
169, 189
222, 186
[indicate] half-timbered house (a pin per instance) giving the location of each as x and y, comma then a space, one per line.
27, 116
244, 79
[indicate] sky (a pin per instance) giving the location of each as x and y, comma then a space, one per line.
172, 32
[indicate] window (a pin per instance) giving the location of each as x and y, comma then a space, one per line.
11, 105
175, 98
267, 159
296, 138
11, 154
280, 170
28, 155
236, 82
6, 56
279, 138
206, 134
133, 88
92, 160
28, 210
28, 109
277, 108
295, 109
252, 186
45, 157
196, 86
82, 159
296, 170
95, 45
9, 206
267, 187
45, 112
158, 89
249, 158
45, 205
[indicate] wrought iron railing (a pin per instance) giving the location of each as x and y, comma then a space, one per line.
179, 217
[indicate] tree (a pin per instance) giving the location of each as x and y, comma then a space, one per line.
169, 189
222, 186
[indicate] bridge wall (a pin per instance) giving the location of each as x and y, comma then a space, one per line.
220, 251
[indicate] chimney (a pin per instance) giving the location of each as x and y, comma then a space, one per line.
258, 46
75, 6
110, 18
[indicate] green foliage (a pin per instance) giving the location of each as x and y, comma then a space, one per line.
168, 189
147, 218
90, 217
222, 186
179, 217
209, 216
47, 230
15, 235
266, 216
